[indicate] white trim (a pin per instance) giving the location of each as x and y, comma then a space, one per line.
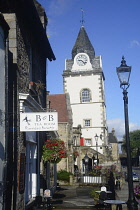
86, 67
30, 102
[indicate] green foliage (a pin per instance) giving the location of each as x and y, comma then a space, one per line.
63, 175
106, 171
134, 142
96, 171
94, 194
54, 150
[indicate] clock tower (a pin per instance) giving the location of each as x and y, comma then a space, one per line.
83, 79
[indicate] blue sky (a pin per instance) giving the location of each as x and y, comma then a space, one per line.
113, 28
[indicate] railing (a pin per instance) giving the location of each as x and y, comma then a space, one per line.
92, 179
89, 179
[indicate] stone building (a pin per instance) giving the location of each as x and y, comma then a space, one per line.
23, 79
114, 144
83, 80
61, 103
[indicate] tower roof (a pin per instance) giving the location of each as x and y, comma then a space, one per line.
83, 44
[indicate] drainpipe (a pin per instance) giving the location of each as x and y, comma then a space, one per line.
38, 165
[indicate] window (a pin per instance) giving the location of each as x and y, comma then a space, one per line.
87, 123
75, 141
87, 142
85, 95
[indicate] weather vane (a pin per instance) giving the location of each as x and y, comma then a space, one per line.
82, 21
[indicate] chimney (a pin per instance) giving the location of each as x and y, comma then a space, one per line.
113, 131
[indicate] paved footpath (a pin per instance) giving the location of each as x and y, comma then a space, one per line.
123, 194
77, 197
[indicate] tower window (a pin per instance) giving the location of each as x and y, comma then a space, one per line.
85, 95
87, 123
87, 142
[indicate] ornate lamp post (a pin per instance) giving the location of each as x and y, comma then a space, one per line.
86, 158
124, 74
96, 139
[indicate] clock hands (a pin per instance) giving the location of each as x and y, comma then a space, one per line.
82, 61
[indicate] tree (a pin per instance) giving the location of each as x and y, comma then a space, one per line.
134, 142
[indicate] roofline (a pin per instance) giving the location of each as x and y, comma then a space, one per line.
35, 26
27, 13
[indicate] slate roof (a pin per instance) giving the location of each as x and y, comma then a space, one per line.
112, 138
83, 44
58, 102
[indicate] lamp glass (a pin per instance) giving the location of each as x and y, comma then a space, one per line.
96, 138
124, 75
86, 158
110, 146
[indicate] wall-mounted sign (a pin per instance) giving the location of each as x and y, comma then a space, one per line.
39, 121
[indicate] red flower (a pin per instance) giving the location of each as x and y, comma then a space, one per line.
54, 150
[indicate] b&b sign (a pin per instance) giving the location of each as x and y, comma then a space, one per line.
39, 121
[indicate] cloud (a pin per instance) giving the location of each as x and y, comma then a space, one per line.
134, 43
58, 7
119, 127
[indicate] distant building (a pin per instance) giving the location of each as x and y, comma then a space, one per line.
113, 142
61, 103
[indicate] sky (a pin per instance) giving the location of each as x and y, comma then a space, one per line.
113, 27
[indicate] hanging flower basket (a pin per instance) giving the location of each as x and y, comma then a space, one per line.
54, 150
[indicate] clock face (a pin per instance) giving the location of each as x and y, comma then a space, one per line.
81, 60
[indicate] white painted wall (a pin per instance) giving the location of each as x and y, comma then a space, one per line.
73, 85
93, 110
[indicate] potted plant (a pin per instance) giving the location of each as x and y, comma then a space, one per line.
54, 150
96, 171
137, 191
95, 195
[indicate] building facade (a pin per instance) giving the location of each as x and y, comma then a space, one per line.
61, 103
24, 53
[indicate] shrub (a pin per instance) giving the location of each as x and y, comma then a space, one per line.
63, 175
137, 191
95, 195
96, 171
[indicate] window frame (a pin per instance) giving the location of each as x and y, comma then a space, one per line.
85, 95
87, 125
87, 143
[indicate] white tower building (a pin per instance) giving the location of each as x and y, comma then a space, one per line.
83, 79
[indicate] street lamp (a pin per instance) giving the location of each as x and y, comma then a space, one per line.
124, 74
86, 158
96, 139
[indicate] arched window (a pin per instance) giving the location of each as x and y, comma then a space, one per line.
85, 95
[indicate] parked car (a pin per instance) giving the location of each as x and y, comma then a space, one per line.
135, 177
